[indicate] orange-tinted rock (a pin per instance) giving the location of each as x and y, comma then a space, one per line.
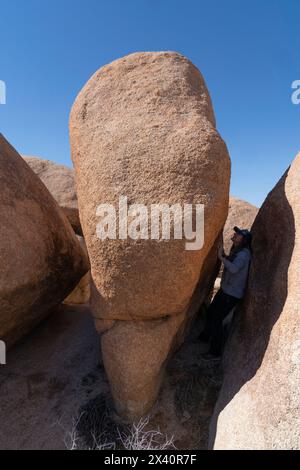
41, 259
259, 404
143, 127
59, 180
81, 293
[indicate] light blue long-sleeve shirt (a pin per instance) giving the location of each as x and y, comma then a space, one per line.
235, 275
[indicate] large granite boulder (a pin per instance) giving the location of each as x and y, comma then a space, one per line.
259, 404
59, 180
41, 259
143, 128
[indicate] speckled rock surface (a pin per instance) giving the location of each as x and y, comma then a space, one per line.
259, 404
143, 127
41, 259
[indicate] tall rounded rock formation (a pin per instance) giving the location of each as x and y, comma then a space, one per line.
259, 403
143, 128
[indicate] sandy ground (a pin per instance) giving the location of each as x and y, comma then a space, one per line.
56, 375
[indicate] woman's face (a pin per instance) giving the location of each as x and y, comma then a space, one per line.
237, 239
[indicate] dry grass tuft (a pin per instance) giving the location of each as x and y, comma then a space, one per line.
95, 429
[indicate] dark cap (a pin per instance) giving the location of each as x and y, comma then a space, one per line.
245, 233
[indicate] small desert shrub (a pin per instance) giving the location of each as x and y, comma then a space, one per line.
95, 429
139, 437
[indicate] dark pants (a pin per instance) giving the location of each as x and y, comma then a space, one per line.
218, 310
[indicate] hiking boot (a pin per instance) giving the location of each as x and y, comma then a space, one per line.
204, 337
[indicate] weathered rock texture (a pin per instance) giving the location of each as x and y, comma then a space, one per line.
41, 259
240, 213
143, 127
259, 405
59, 179
81, 293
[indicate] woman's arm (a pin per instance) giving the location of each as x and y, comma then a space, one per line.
236, 265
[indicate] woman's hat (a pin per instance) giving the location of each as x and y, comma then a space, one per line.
245, 233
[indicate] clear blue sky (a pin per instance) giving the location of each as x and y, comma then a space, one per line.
248, 52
